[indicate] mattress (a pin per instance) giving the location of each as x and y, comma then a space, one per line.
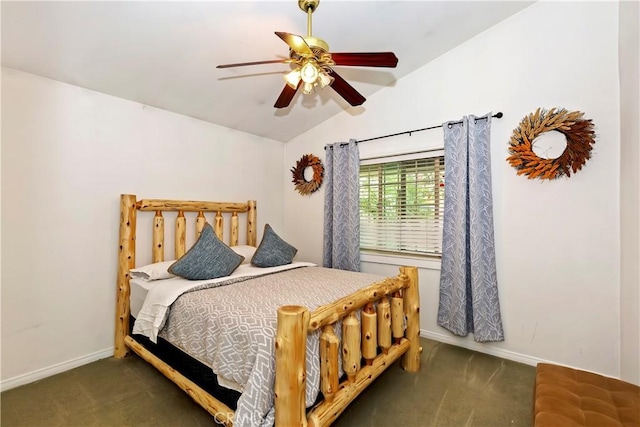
191, 368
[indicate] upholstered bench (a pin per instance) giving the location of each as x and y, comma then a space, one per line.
570, 397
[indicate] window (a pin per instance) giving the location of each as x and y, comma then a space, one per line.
402, 204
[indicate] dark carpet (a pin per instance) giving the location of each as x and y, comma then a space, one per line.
455, 387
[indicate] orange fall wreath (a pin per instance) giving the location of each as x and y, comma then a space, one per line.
303, 186
578, 132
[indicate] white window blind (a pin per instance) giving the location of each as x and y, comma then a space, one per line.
402, 203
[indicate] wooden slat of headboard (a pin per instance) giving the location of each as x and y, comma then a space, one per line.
234, 229
158, 237
181, 235
252, 224
200, 222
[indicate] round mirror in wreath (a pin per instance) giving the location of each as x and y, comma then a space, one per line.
303, 185
542, 128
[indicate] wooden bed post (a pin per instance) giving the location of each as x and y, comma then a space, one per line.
126, 261
411, 359
291, 350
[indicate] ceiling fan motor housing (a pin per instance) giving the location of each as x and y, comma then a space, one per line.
308, 4
316, 43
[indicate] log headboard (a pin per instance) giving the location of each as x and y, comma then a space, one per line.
129, 208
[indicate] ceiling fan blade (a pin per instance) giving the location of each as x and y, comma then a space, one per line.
366, 59
296, 43
345, 90
286, 96
242, 64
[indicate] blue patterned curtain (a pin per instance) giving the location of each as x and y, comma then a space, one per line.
468, 285
341, 207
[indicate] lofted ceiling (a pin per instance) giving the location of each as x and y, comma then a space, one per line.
164, 54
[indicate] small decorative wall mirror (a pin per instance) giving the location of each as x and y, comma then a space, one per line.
549, 145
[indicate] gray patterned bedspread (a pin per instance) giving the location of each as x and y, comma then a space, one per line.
232, 328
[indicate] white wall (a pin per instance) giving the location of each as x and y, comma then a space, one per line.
557, 243
67, 155
630, 191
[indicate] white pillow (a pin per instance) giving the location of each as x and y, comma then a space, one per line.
246, 251
156, 271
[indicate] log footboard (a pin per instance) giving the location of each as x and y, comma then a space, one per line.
367, 338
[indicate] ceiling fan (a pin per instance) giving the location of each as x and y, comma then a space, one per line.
313, 62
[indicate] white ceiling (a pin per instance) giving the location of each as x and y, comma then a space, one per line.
164, 54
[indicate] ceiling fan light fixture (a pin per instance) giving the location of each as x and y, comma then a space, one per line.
324, 79
293, 78
307, 88
309, 72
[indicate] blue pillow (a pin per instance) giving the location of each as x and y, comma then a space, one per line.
208, 258
273, 251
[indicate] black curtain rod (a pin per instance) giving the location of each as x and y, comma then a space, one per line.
497, 115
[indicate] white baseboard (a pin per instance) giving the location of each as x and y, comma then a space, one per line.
498, 352
54, 369
482, 348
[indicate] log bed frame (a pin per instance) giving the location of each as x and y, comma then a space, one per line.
380, 337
